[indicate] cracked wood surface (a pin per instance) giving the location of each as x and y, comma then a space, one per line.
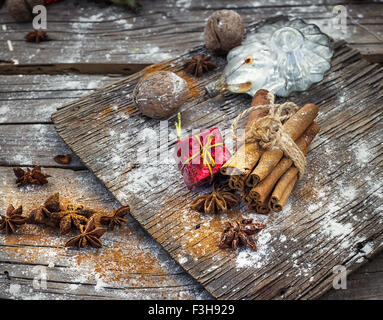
26, 104
334, 216
88, 39
130, 265
29, 91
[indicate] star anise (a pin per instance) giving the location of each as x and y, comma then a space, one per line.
12, 219
43, 214
72, 216
117, 217
218, 201
63, 159
198, 65
36, 36
240, 232
34, 176
90, 235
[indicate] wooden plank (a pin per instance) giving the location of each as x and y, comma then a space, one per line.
20, 263
30, 100
26, 104
130, 265
33, 144
333, 216
365, 283
33, 98
111, 40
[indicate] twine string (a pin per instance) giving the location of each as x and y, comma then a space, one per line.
268, 131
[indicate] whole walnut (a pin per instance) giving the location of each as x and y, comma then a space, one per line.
160, 94
21, 10
224, 31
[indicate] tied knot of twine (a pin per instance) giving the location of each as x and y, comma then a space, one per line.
268, 131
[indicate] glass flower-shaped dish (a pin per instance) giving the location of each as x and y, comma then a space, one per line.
282, 57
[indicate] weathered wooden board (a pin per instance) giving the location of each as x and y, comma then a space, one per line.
88, 39
334, 216
362, 284
148, 272
27, 136
23, 102
129, 266
31, 99
141, 268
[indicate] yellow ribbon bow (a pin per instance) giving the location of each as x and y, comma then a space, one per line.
204, 153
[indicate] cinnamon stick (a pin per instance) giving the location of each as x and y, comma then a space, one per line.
294, 127
252, 207
263, 207
283, 189
247, 156
286, 183
245, 198
266, 164
261, 191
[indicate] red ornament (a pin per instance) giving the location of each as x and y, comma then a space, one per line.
50, 1
201, 156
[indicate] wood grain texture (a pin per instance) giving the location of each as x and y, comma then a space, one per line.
34, 108
145, 271
365, 283
26, 104
129, 266
31, 99
88, 39
333, 217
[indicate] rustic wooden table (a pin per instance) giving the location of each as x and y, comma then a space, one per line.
92, 46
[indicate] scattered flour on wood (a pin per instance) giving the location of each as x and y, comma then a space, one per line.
14, 288
256, 259
183, 4
336, 229
362, 153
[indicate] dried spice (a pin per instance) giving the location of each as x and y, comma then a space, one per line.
72, 216
52, 214
63, 159
240, 233
160, 94
117, 217
198, 65
34, 176
224, 30
90, 236
218, 201
36, 36
43, 214
12, 219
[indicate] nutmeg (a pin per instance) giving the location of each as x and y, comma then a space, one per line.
160, 94
224, 31
21, 10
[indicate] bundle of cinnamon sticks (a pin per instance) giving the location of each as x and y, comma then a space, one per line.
266, 178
